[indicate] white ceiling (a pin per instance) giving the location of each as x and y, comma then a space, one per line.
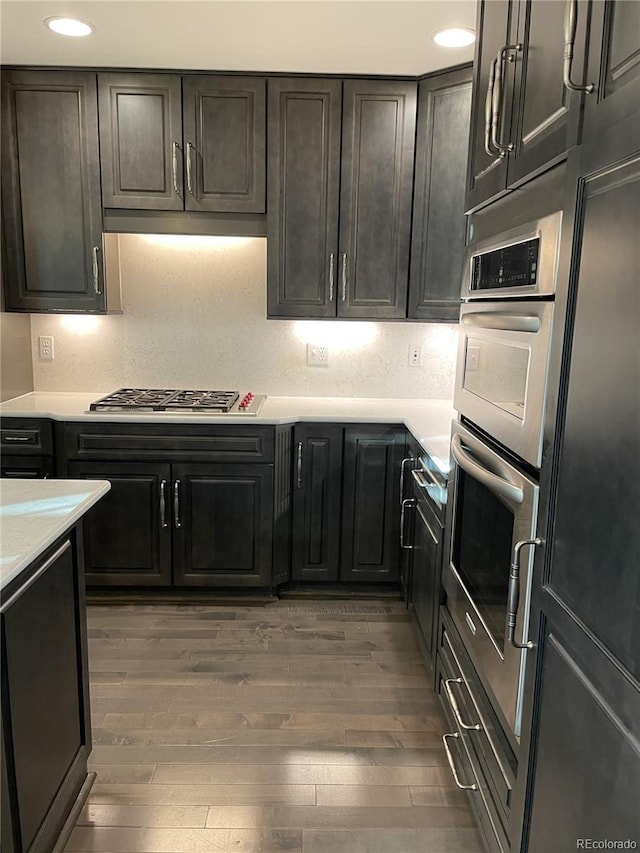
315, 36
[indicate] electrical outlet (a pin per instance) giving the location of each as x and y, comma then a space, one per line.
415, 355
317, 356
45, 343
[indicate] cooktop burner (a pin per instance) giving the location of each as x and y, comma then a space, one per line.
172, 400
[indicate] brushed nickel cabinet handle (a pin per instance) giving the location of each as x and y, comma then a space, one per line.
405, 503
488, 110
176, 504
189, 168
96, 271
332, 259
570, 25
452, 766
6, 438
454, 705
299, 464
502, 149
174, 168
513, 595
344, 277
402, 464
163, 507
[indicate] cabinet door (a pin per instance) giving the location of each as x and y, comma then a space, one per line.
426, 573
141, 141
223, 525
378, 142
316, 502
487, 172
224, 138
370, 514
51, 191
614, 65
548, 114
438, 230
127, 535
304, 174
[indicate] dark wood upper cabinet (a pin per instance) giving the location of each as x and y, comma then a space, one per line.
524, 118
304, 177
340, 152
51, 206
141, 141
438, 230
614, 64
195, 142
376, 186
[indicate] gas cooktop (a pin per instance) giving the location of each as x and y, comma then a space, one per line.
174, 401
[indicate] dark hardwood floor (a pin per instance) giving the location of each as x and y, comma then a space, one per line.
299, 726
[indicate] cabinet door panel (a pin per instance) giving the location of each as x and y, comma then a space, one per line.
371, 517
51, 191
304, 174
140, 121
41, 635
586, 755
226, 525
548, 118
225, 123
378, 141
614, 65
125, 543
426, 573
316, 503
438, 230
487, 173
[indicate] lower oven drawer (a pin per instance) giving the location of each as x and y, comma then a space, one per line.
467, 710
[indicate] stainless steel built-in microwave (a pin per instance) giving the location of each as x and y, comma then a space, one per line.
519, 263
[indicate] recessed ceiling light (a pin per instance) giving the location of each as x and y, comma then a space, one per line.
454, 37
69, 26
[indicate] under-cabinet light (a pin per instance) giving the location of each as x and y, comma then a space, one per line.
454, 37
69, 26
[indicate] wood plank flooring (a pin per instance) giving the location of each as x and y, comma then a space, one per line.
298, 726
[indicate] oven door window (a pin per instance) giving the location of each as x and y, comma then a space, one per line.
482, 543
497, 373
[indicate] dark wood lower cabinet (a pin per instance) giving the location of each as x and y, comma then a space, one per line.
127, 536
222, 519
46, 730
426, 572
346, 517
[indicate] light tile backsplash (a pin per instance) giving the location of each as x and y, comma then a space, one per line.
194, 316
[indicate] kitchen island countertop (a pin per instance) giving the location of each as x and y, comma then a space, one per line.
429, 421
34, 513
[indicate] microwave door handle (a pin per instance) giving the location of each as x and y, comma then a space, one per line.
502, 322
496, 484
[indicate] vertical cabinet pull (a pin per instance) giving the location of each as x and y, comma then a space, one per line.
174, 167
513, 594
332, 259
452, 766
488, 110
96, 271
189, 168
176, 504
163, 506
344, 277
405, 503
570, 25
455, 707
502, 148
402, 464
299, 465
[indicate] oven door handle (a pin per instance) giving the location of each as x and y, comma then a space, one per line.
496, 484
502, 322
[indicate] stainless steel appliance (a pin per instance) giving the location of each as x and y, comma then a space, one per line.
179, 402
488, 576
501, 375
518, 263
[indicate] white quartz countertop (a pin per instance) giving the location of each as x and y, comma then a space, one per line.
34, 513
429, 421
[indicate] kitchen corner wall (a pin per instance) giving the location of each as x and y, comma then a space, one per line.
194, 316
